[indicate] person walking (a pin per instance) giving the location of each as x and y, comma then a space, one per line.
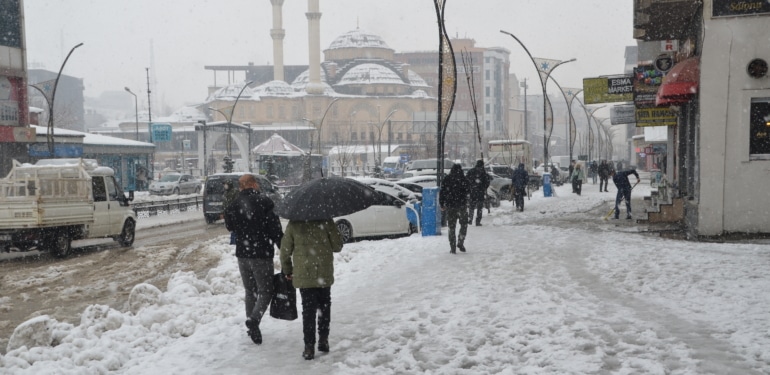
571, 169
478, 180
620, 178
307, 259
453, 200
519, 181
604, 174
594, 170
257, 230
577, 177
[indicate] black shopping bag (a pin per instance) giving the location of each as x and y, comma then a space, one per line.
284, 303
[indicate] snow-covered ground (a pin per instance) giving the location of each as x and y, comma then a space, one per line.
551, 290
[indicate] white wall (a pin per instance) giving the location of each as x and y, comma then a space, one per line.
734, 194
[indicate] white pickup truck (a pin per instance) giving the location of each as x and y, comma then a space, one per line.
54, 201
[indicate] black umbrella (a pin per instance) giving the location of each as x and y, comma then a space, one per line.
326, 198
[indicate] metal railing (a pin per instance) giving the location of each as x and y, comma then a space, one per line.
168, 206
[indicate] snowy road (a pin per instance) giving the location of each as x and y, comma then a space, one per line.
551, 290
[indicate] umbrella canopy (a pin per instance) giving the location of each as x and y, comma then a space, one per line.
326, 198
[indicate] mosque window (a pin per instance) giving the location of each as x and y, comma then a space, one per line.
269, 111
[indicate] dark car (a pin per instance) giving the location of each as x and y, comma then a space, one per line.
214, 190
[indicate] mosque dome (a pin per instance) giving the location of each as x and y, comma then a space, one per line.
358, 44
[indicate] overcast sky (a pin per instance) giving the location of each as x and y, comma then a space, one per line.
185, 35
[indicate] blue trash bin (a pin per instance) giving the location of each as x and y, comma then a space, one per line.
430, 219
547, 190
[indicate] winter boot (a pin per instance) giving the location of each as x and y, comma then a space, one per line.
309, 352
461, 247
323, 344
253, 331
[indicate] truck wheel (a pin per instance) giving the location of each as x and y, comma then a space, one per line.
210, 219
59, 244
127, 236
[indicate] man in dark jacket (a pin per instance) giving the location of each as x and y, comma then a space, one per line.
257, 230
604, 173
620, 178
519, 182
453, 199
478, 180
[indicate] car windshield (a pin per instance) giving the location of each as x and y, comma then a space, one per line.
170, 178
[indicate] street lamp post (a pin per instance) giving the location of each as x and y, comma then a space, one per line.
308, 167
379, 137
543, 81
136, 111
51, 102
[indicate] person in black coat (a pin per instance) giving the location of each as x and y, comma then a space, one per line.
519, 181
257, 231
604, 173
620, 178
453, 200
478, 180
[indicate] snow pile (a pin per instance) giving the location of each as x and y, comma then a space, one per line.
109, 340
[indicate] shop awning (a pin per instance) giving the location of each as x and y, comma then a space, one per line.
680, 84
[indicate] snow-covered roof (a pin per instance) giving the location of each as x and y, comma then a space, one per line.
303, 78
91, 139
416, 81
370, 74
358, 39
230, 92
277, 144
274, 88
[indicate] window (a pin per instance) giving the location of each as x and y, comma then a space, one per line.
270, 111
487, 91
354, 137
759, 133
486, 74
100, 191
487, 109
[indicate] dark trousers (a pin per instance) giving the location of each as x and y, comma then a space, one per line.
316, 302
455, 214
603, 182
623, 193
257, 278
577, 186
478, 207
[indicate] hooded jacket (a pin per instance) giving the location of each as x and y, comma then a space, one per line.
454, 189
478, 180
520, 177
307, 252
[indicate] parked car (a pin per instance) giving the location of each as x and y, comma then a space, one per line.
389, 187
214, 190
417, 183
385, 219
176, 183
426, 167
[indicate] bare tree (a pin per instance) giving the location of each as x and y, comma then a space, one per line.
468, 65
344, 157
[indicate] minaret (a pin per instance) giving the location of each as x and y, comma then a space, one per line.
277, 33
313, 14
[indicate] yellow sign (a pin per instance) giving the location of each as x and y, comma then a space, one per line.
608, 89
655, 117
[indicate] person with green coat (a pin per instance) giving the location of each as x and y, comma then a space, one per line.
307, 259
577, 177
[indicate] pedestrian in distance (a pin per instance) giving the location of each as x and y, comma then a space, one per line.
307, 259
620, 178
257, 231
571, 169
577, 177
555, 175
453, 200
594, 170
478, 180
519, 181
604, 174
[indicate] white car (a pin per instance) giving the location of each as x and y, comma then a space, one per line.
386, 219
424, 181
176, 183
389, 187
